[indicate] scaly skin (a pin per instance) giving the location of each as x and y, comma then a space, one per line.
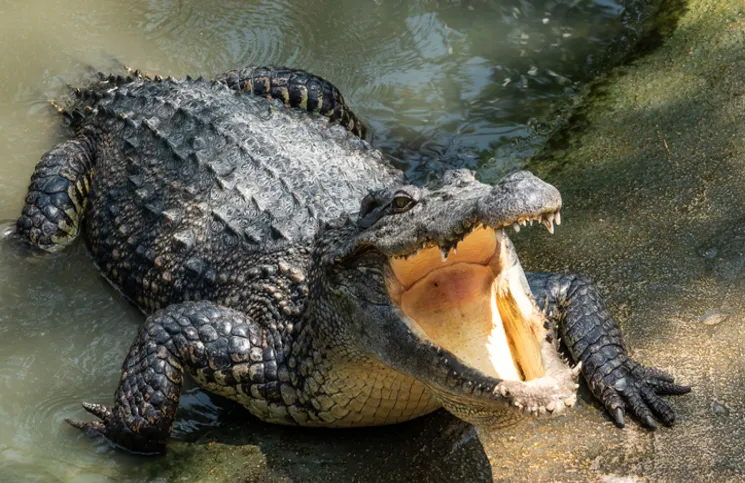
295, 88
58, 194
231, 355
593, 338
259, 240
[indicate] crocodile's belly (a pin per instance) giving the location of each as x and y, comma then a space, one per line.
336, 396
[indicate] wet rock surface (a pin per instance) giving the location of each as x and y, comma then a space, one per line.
654, 191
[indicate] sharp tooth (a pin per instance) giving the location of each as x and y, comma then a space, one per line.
443, 254
523, 222
516, 227
455, 251
549, 224
531, 222
557, 218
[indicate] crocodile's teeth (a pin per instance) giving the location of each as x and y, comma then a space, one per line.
444, 254
557, 218
549, 224
548, 220
516, 227
523, 222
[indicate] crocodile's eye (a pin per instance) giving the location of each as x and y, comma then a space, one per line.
402, 202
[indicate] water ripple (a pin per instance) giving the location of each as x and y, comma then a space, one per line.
227, 33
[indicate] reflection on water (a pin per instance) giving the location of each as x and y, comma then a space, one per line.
441, 83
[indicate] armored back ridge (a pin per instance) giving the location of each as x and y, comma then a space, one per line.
211, 173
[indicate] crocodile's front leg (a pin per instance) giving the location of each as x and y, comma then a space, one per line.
593, 338
222, 348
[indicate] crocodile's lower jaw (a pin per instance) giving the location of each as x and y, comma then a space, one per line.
473, 304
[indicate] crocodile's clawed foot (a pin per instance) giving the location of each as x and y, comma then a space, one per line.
94, 428
116, 432
637, 389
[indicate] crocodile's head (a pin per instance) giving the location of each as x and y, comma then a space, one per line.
426, 281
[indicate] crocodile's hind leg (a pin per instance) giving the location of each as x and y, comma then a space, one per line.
295, 88
58, 194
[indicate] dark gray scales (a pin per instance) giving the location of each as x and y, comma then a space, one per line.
210, 172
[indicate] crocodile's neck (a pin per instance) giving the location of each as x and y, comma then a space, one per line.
337, 386
336, 382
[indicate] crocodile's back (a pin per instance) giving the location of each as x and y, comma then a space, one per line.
189, 172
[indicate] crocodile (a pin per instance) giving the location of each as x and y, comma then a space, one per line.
283, 262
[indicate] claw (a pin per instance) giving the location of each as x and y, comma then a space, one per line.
668, 388
91, 428
615, 406
655, 373
677, 389
661, 408
648, 421
99, 410
638, 407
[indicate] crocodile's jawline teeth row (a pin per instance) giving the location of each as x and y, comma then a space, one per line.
546, 219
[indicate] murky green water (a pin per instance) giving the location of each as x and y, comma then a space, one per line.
441, 83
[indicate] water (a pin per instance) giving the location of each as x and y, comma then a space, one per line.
441, 83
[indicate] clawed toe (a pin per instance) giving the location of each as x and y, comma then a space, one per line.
90, 428
99, 410
637, 390
93, 428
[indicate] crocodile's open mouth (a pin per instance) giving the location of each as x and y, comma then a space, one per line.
474, 302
